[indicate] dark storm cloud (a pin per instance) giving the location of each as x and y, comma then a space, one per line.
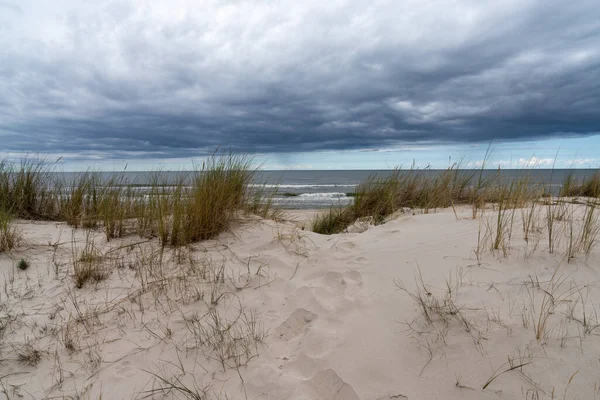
137, 78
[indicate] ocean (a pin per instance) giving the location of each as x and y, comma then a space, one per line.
324, 188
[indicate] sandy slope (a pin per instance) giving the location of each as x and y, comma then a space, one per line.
337, 325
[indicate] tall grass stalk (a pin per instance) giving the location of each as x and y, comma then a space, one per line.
115, 206
590, 229
477, 197
510, 197
78, 199
529, 217
550, 210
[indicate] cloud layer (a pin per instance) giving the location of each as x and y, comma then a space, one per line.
140, 78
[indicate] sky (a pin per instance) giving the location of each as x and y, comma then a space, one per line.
362, 84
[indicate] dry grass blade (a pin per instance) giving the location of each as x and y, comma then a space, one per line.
499, 372
87, 263
175, 385
590, 231
550, 300
233, 342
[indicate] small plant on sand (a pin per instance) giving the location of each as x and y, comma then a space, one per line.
335, 220
28, 353
435, 308
233, 342
22, 264
439, 313
552, 297
87, 264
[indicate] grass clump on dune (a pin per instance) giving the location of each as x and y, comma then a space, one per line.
10, 237
335, 220
378, 197
219, 190
78, 200
588, 187
202, 204
25, 189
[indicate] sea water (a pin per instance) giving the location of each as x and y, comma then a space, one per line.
325, 188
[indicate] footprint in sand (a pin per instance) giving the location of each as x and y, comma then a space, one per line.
296, 324
359, 261
347, 245
327, 385
336, 281
354, 276
306, 365
124, 370
337, 292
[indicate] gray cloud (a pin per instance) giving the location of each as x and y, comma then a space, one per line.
11, 7
171, 79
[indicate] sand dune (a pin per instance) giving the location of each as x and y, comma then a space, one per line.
272, 311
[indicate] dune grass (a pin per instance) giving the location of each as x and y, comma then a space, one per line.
587, 187
379, 197
25, 190
10, 237
334, 220
219, 190
78, 199
202, 203
197, 206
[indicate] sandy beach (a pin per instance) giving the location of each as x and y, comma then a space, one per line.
273, 311
299, 200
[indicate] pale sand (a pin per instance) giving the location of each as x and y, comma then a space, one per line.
337, 323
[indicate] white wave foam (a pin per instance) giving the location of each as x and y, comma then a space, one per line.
302, 186
325, 201
333, 195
